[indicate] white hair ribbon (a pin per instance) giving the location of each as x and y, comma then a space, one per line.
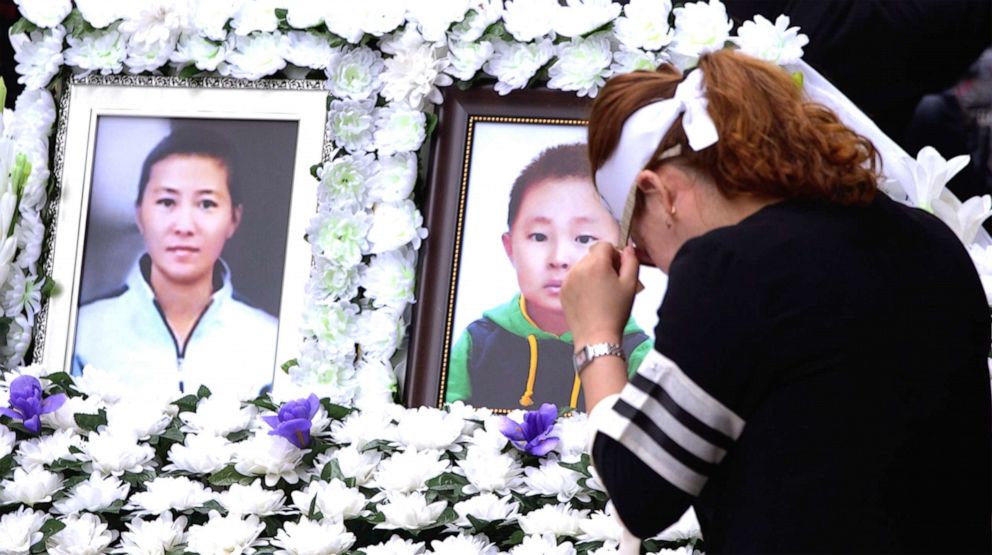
641, 134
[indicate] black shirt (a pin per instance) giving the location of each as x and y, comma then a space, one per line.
820, 384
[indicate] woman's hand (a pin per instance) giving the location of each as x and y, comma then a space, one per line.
598, 292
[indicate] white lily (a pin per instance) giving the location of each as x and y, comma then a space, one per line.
931, 172
964, 218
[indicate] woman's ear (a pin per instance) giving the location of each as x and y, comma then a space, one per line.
654, 185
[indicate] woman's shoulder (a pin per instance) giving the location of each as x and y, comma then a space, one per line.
244, 314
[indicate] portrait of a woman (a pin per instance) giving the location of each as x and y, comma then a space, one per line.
177, 321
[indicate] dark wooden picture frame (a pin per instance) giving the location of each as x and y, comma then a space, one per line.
448, 177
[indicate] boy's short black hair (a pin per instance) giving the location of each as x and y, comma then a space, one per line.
194, 140
557, 162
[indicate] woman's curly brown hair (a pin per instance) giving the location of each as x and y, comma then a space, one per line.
773, 142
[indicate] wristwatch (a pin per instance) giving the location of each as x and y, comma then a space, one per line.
587, 354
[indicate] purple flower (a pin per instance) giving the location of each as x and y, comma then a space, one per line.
294, 420
534, 435
28, 403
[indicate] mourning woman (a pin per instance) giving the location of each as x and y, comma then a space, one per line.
177, 321
819, 379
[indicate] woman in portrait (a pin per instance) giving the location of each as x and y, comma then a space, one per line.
819, 378
177, 321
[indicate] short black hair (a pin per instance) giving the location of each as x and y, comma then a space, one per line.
199, 141
557, 162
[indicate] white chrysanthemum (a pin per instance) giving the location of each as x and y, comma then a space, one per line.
428, 428
964, 218
376, 383
155, 21
228, 534
334, 500
21, 529
7, 441
145, 57
514, 63
390, 277
409, 511
38, 55
434, 17
360, 428
309, 537
490, 473
333, 324
219, 415
579, 17
200, 454
30, 487
344, 19
380, 332
463, 544
349, 123
303, 14
101, 13
169, 493
487, 507
543, 544
354, 463
139, 417
65, 417
100, 384
329, 281
481, 16
472, 419
254, 56
18, 339
644, 24
93, 495
44, 13
778, 43
700, 27
30, 233
487, 438
322, 374
601, 527
270, 456
34, 116
40, 451
256, 15
560, 520
343, 180
625, 61
467, 58
413, 75
114, 454
582, 65
395, 546
527, 20
84, 534
339, 236
394, 178
102, 51
554, 480
204, 53
307, 49
399, 129
409, 471
572, 434
395, 224
22, 294
153, 537
355, 74
252, 500
211, 16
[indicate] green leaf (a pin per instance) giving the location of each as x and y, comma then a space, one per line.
264, 402
212, 505
22, 26
335, 412
189, 72
174, 432
51, 526
203, 392
383, 445
478, 524
447, 516
72, 482
3, 93
293, 362
186, 403
235, 437
431, 123
65, 464
582, 467
313, 508
114, 508
798, 78
138, 478
6, 464
331, 471
60, 378
90, 422
227, 476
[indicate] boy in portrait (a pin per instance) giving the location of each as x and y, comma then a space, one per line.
520, 353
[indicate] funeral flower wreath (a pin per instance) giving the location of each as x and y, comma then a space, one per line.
86, 468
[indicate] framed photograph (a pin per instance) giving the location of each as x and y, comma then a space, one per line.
511, 207
180, 219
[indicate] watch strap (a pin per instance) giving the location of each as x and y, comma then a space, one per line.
584, 356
